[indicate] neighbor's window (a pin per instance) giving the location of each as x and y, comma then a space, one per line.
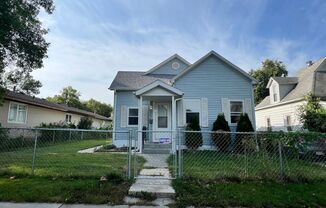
68, 118
269, 125
133, 116
236, 109
17, 113
162, 118
274, 93
288, 123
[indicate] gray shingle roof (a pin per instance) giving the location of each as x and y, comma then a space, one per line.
32, 100
305, 83
134, 80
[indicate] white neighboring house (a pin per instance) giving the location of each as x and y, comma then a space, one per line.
280, 110
23, 111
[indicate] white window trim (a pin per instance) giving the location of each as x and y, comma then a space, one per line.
15, 122
285, 120
134, 116
235, 100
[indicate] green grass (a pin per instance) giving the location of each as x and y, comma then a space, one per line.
254, 194
256, 166
62, 160
40, 189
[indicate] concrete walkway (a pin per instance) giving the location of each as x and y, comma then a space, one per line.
154, 178
90, 150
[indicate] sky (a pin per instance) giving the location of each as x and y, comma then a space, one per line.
90, 40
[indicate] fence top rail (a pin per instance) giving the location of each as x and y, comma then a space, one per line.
64, 129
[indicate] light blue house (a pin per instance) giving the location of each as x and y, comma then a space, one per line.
173, 92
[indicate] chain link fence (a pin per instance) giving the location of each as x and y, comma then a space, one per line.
61, 153
252, 156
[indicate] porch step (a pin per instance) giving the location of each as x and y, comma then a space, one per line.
158, 146
156, 151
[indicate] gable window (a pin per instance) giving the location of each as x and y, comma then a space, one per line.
132, 116
68, 118
17, 113
274, 93
236, 109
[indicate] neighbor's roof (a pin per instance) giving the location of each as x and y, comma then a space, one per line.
305, 83
134, 80
283, 80
32, 100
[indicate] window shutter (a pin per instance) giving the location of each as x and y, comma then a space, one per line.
226, 108
123, 118
248, 108
180, 110
204, 112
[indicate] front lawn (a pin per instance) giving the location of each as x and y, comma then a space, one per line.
63, 190
62, 160
255, 166
194, 192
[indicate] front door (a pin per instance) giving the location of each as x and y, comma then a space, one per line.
162, 122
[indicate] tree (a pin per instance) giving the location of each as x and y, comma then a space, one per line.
98, 107
221, 136
193, 139
244, 125
269, 68
312, 114
68, 96
22, 43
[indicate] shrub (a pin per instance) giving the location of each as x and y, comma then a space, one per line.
244, 125
220, 139
193, 139
85, 123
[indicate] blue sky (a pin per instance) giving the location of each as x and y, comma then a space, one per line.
93, 39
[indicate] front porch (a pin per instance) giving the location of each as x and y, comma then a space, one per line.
157, 115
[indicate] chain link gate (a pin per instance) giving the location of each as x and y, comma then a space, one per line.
153, 150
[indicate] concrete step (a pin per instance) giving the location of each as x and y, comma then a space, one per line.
156, 145
157, 186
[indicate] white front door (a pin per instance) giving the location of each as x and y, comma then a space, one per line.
162, 122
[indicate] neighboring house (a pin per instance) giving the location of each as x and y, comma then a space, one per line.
280, 110
173, 92
20, 110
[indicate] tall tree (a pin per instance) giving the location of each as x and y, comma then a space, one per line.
22, 43
269, 68
68, 96
98, 107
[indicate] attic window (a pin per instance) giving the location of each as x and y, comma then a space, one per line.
175, 65
274, 93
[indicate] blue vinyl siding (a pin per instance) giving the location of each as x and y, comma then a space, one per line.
128, 99
167, 68
215, 80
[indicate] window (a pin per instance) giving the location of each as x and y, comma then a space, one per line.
133, 116
274, 93
288, 123
236, 109
193, 108
68, 118
190, 116
162, 117
17, 113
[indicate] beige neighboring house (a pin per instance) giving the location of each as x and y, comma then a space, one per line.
20, 110
280, 110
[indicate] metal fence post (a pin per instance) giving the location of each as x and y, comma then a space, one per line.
53, 136
179, 154
34, 153
69, 135
129, 153
282, 174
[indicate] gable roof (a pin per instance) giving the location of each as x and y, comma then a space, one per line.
134, 80
166, 61
32, 100
213, 53
282, 80
305, 84
158, 83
